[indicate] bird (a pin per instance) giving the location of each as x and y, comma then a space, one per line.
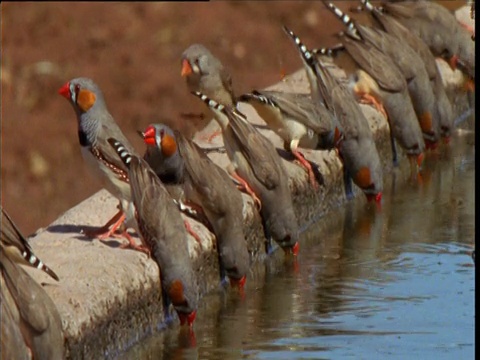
208, 188
162, 232
376, 78
163, 157
31, 326
439, 29
297, 119
410, 65
205, 73
442, 105
356, 146
18, 248
95, 126
255, 163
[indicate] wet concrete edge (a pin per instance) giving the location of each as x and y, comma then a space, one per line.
109, 298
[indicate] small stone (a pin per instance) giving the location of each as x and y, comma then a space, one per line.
311, 18
38, 165
239, 51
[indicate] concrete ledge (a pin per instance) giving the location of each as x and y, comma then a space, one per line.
109, 298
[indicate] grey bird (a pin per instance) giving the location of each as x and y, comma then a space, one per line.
95, 126
31, 326
410, 65
376, 78
298, 120
255, 163
356, 146
439, 29
163, 234
205, 73
442, 106
164, 158
209, 186
206, 187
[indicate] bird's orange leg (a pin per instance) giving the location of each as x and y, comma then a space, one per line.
106, 231
192, 232
246, 188
209, 138
133, 245
301, 158
369, 99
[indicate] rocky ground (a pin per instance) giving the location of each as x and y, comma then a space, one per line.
132, 51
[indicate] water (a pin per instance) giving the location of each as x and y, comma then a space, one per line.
369, 283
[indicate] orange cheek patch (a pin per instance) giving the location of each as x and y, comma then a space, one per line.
85, 99
175, 292
362, 178
426, 122
169, 146
469, 85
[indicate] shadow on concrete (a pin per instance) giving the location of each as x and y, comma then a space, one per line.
82, 230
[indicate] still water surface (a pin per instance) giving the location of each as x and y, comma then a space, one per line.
369, 283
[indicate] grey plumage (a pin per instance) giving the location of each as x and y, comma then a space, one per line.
255, 160
442, 106
409, 63
163, 233
30, 319
356, 146
95, 125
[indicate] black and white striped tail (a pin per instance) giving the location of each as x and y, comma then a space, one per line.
212, 104
367, 5
347, 20
121, 150
219, 108
330, 52
307, 56
34, 261
259, 97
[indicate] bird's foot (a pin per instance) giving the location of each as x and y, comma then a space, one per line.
192, 232
308, 167
371, 100
133, 245
243, 186
107, 230
209, 138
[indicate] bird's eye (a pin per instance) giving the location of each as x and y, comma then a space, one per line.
162, 132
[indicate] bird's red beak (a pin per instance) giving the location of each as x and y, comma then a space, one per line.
374, 197
65, 90
240, 283
187, 318
295, 248
186, 68
149, 136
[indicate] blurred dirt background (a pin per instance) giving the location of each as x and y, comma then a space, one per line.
132, 51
